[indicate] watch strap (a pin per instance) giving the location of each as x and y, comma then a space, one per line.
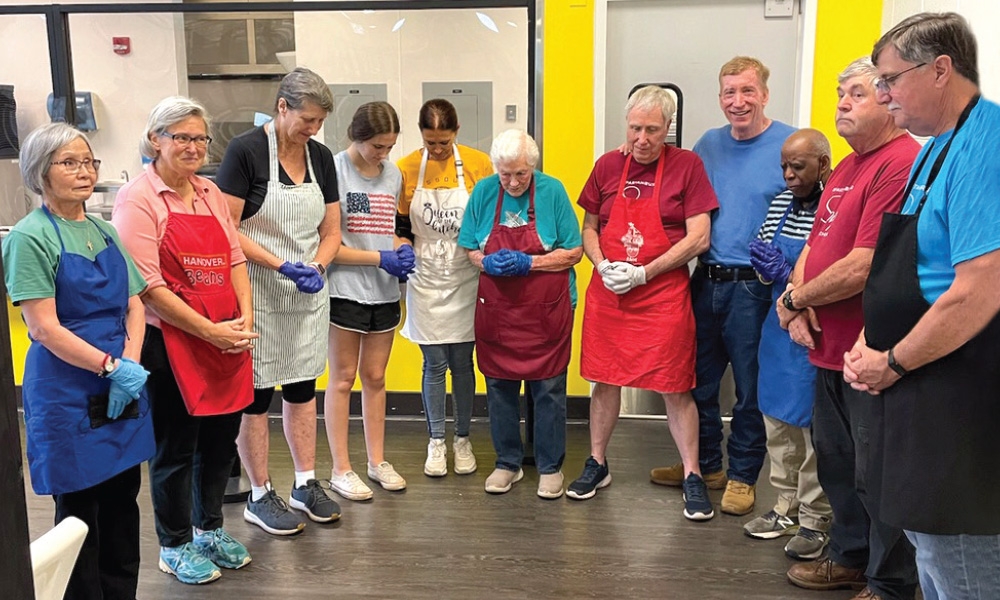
895, 366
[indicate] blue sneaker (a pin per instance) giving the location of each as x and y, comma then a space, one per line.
595, 476
220, 548
697, 506
188, 565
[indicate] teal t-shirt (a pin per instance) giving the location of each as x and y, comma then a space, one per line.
31, 253
555, 218
960, 220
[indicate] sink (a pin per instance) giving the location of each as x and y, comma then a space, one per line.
109, 187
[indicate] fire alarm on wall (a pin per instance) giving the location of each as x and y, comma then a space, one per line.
121, 45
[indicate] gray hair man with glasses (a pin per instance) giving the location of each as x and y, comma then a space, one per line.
822, 311
932, 332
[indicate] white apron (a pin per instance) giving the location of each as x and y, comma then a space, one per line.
292, 325
441, 292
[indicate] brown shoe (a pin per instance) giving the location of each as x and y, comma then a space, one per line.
739, 498
824, 574
674, 477
867, 594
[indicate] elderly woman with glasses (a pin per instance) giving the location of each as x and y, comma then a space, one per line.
177, 226
520, 229
87, 418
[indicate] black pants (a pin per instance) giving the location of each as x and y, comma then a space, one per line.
194, 455
842, 422
108, 565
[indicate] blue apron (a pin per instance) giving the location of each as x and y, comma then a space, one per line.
66, 452
786, 380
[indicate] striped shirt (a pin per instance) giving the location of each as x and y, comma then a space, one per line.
798, 224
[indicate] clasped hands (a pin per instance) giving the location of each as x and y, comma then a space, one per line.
769, 262
399, 262
307, 278
127, 381
620, 276
507, 263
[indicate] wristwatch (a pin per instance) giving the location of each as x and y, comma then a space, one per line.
107, 366
895, 366
786, 301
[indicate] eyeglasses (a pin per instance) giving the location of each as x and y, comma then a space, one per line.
71, 165
883, 85
183, 139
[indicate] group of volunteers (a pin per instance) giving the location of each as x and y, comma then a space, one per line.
856, 303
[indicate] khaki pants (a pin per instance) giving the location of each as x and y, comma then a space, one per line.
793, 474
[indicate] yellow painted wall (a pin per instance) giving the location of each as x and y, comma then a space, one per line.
845, 30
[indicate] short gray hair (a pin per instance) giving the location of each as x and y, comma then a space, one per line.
301, 85
511, 145
862, 67
38, 149
652, 97
169, 112
926, 36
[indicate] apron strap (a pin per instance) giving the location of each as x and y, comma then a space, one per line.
272, 152
531, 202
657, 182
459, 169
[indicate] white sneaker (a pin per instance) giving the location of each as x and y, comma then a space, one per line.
465, 460
386, 476
436, 464
350, 486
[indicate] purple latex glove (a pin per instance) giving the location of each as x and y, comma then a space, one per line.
769, 261
520, 264
391, 263
310, 283
295, 270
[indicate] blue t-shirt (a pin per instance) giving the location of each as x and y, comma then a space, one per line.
555, 218
961, 219
746, 175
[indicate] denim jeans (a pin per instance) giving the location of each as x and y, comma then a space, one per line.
958, 567
728, 317
503, 398
438, 358
858, 538
194, 455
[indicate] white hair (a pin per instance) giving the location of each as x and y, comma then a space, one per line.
511, 145
166, 113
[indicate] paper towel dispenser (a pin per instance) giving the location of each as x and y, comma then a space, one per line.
86, 119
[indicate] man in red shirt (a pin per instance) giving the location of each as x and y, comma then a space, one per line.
822, 310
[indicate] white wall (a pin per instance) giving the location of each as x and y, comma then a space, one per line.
983, 17
432, 45
125, 87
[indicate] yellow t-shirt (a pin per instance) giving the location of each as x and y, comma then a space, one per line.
441, 174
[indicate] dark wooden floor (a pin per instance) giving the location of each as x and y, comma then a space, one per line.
445, 538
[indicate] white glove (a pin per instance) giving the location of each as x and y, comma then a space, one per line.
631, 276
612, 276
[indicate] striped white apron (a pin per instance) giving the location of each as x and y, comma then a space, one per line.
292, 325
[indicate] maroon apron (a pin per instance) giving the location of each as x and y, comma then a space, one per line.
523, 324
195, 262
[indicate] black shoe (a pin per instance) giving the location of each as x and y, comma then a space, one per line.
697, 506
595, 476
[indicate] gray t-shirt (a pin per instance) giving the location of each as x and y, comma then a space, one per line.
367, 222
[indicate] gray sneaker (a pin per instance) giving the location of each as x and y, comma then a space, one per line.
771, 526
313, 500
271, 514
807, 544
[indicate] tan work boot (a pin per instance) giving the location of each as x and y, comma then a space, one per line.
739, 498
674, 477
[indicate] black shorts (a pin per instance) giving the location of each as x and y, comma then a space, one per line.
298, 392
364, 318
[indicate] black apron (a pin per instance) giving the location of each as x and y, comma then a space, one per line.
935, 431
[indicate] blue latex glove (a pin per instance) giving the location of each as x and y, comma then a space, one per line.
768, 260
130, 377
409, 260
296, 270
393, 264
118, 399
499, 263
311, 282
520, 264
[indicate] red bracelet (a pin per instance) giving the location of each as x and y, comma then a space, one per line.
104, 363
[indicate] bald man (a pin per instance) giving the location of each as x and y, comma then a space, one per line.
786, 381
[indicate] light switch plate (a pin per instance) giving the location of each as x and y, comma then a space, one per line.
511, 112
779, 8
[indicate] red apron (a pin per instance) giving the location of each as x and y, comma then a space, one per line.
644, 338
523, 324
195, 262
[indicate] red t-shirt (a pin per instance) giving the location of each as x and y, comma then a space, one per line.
859, 191
685, 189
